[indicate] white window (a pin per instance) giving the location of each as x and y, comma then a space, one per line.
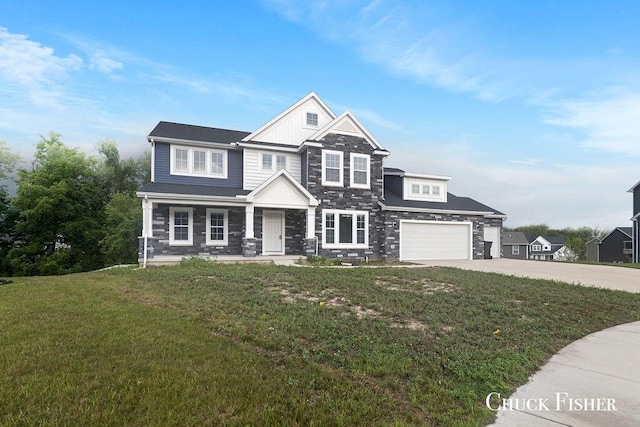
217, 227
515, 250
332, 172
360, 170
267, 161
345, 229
218, 163
426, 190
536, 248
198, 162
435, 190
281, 162
181, 226
415, 188
181, 160
312, 120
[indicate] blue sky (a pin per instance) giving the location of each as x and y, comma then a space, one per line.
532, 108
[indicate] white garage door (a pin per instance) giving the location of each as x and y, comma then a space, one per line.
422, 240
492, 234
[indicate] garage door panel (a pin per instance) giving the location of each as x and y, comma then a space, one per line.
435, 241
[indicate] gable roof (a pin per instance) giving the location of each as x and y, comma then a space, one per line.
310, 99
624, 230
282, 190
514, 238
183, 132
632, 189
347, 124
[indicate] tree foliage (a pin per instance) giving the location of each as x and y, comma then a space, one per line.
75, 212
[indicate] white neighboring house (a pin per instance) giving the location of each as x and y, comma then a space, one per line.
550, 248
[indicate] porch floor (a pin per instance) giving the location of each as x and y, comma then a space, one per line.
261, 259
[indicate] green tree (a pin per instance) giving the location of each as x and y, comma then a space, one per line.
122, 228
9, 214
62, 202
123, 213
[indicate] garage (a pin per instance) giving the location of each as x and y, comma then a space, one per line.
492, 234
435, 240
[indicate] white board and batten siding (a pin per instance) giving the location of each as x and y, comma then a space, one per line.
253, 173
435, 240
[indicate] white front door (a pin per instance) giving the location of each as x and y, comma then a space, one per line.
273, 233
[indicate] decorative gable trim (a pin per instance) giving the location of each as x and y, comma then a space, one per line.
347, 124
256, 136
295, 185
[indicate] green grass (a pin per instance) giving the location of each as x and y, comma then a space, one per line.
217, 344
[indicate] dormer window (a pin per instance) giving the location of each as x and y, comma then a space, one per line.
312, 120
188, 161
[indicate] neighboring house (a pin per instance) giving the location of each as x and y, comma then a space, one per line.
515, 245
614, 247
635, 232
549, 248
308, 182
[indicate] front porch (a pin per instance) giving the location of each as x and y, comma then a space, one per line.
226, 259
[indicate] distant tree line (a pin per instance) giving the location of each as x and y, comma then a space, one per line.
71, 212
575, 238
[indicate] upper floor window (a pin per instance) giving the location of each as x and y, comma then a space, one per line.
332, 168
431, 190
536, 248
269, 160
181, 160
198, 162
312, 120
360, 170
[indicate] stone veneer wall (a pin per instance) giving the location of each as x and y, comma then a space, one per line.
347, 198
200, 248
392, 230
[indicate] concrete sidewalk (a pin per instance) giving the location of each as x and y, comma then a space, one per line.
594, 381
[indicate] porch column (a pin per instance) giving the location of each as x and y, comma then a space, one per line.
248, 231
311, 223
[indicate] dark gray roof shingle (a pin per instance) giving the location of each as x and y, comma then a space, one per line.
454, 203
196, 133
199, 190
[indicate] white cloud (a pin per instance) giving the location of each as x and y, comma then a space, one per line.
608, 122
28, 63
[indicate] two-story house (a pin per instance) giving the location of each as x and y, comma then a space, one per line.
308, 182
615, 247
549, 248
635, 219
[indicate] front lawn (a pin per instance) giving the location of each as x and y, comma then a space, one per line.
216, 344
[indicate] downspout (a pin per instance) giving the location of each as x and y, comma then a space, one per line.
146, 233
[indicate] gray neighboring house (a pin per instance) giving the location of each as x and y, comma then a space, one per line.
549, 248
515, 245
308, 182
635, 219
615, 247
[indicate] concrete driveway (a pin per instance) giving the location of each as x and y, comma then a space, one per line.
603, 276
